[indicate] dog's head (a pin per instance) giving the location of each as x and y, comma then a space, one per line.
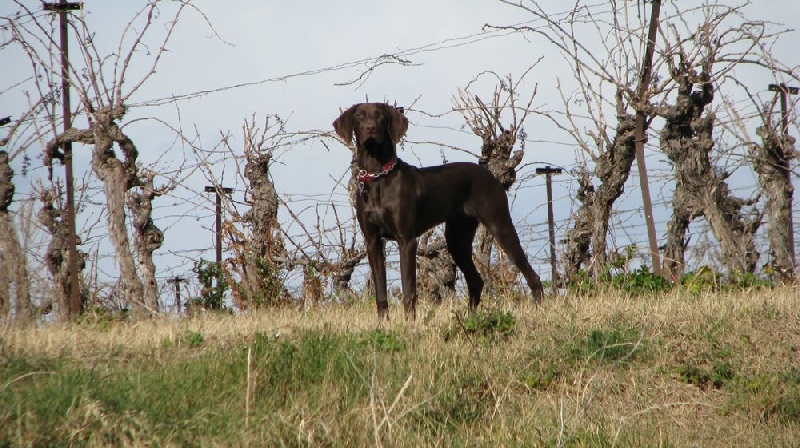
371, 122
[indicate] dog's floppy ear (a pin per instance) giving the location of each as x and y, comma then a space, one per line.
344, 125
398, 124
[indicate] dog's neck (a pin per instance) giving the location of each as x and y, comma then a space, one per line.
374, 156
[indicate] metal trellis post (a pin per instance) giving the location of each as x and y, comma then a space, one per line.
548, 172
74, 304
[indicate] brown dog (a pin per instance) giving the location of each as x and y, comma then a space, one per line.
399, 202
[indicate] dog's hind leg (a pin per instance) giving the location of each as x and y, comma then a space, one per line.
408, 272
459, 233
506, 237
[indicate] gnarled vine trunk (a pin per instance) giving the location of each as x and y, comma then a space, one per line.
53, 218
771, 161
578, 239
260, 280
147, 238
437, 271
260, 248
119, 176
612, 168
700, 190
13, 265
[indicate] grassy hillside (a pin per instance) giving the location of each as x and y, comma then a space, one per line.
675, 370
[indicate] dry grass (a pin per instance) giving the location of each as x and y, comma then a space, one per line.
670, 370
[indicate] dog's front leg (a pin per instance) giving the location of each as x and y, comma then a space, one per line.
408, 273
377, 264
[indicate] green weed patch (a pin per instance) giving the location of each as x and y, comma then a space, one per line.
600, 346
489, 325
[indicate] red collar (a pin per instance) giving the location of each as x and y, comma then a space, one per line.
365, 176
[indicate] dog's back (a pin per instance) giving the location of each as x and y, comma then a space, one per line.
458, 188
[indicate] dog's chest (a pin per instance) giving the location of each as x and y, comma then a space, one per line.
380, 209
